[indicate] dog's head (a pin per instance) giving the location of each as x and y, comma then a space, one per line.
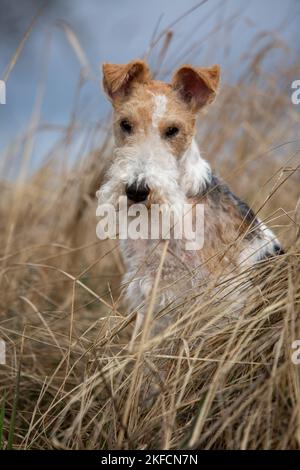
156, 159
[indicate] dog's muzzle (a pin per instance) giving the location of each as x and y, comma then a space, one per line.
137, 192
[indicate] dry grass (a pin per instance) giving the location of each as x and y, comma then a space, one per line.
70, 381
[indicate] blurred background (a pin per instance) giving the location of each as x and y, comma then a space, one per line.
60, 303
70, 39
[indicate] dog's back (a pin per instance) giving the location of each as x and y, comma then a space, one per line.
233, 235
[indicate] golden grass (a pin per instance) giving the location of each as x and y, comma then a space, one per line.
70, 379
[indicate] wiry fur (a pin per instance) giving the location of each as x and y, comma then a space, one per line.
176, 173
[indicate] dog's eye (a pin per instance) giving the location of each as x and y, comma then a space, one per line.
171, 131
126, 126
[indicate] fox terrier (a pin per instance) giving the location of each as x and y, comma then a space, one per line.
156, 160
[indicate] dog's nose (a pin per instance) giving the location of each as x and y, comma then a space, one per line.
137, 192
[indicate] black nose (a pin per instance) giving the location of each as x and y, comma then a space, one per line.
137, 192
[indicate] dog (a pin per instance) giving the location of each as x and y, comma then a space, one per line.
156, 160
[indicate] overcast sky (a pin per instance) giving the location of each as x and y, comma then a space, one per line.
118, 31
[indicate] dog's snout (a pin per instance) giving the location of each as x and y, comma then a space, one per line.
137, 192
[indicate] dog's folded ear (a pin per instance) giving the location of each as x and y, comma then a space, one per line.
197, 86
119, 78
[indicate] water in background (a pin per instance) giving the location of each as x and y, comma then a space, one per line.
46, 75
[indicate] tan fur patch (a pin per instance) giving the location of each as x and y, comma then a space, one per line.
138, 109
117, 78
132, 92
198, 86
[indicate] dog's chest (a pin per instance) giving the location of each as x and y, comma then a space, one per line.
144, 257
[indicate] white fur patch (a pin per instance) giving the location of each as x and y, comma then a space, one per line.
195, 171
268, 235
150, 161
160, 108
258, 247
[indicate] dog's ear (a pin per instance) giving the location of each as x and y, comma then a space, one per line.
197, 86
118, 78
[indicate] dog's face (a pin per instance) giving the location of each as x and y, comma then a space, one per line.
156, 159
